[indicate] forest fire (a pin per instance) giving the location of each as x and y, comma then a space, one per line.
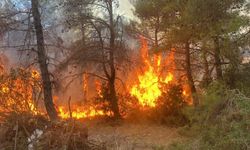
86, 110
124, 74
98, 88
80, 112
17, 91
20, 91
150, 81
23, 90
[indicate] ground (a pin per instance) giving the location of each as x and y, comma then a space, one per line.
133, 136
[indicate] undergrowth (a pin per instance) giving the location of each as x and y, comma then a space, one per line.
221, 122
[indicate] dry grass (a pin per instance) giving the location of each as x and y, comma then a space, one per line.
133, 136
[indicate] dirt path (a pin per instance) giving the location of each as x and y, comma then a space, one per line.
133, 136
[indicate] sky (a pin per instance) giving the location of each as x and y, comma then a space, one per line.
126, 9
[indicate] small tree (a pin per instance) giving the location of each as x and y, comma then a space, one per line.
171, 105
103, 44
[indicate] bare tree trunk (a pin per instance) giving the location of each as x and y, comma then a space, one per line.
207, 78
217, 58
156, 44
113, 96
47, 86
189, 74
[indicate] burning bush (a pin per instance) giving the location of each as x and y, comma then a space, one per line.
20, 90
167, 110
103, 98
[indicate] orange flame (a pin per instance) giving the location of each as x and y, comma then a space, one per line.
17, 93
148, 89
86, 111
80, 112
98, 87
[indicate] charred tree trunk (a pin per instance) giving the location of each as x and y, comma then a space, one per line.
114, 100
217, 58
42, 59
189, 74
112, 78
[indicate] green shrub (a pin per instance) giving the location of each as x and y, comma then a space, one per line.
170, 105
238, 78
243, 80
222, 121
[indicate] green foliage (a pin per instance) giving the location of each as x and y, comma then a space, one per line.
238, 78
243, 80
172, 99
222, 121
158, 8
170, 105
156, 16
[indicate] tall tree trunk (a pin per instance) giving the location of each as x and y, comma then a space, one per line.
114, 100
156, 44
189, 74
42, 59
207, 78
112, 90
217, 58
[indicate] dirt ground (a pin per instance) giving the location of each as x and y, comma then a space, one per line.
133, 136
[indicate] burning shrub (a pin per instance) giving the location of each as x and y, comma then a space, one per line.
127, 103
20, 90
104, 98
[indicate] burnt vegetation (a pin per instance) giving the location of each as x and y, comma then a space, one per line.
70, 66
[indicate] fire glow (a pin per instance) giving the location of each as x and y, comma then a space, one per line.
80, 112
17, 92
148, 88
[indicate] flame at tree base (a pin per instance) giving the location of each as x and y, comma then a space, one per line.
20, 88
80, 112
149, 83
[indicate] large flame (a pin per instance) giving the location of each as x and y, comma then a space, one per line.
148, 88
86, 110
17, 90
